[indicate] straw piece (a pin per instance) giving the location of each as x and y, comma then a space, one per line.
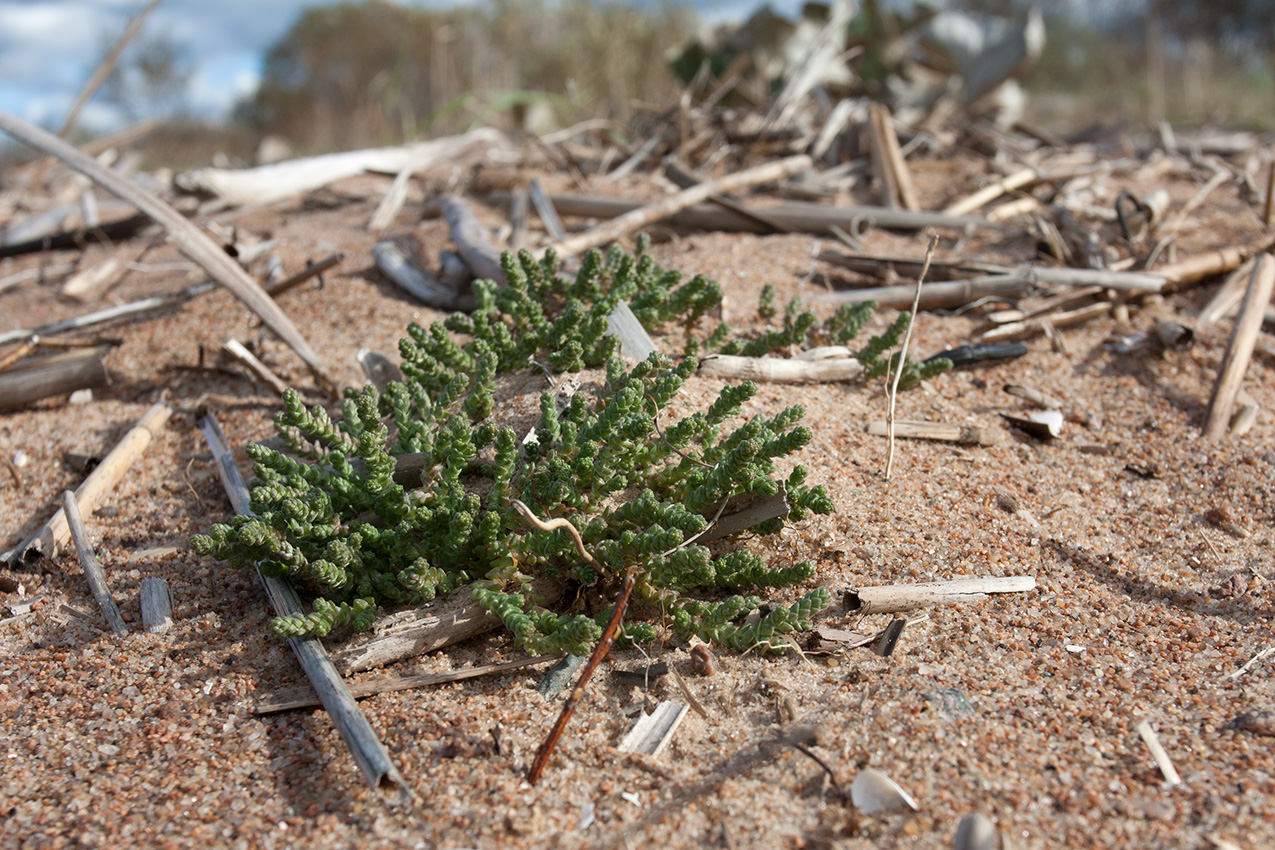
1162, 761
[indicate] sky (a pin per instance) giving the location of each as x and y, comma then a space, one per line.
48, 48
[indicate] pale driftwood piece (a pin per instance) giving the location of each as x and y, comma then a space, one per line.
378, 369
1034, 396
452, 619
991, 192
1045, 324
157, 605
1162, 760
635, 342
269, 183
544, 208
652, 732
1227, 297
1239, 350
92, 566
780, 370
473, 240
888, 599
743, 512
620, 227
20, 387
888, 163
293, 698
937, 296
388, 209
192, 241
236, 349
396, 263
799, 216
368, 751
913, 430
54, 534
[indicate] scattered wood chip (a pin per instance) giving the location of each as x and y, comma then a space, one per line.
653, 732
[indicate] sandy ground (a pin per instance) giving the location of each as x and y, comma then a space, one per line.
1021, 707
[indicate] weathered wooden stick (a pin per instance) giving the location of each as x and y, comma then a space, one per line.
799, 216
1034, 396
1123, 281
1240, 348
234, 348
452, 619
92, 566
192, 241
157, 605
368, 751
473, 240
936, 296
909, 429
305, 274
54, 534
780, 370
991, 192
629, 222
888, 163
293, 698
904, 597
20, 387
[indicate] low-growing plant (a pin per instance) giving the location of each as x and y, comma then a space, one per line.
413, 492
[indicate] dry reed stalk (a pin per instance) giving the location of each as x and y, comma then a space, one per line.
192, 241
1239, 350
893, 393
905, 597
54, 534
620, 227
21, 386
92, 566
991, 192
888, 163
941, 431
780, 370
236, 349
368, 751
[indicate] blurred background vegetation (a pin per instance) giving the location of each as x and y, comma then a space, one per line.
373, 73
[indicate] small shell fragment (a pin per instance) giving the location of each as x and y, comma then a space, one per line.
874, 792
975, 832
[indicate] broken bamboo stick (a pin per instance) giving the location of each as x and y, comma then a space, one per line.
941, 431
886, 599
1239, 350
368, 751
947, 295
54, 534
780, 370
888, 163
